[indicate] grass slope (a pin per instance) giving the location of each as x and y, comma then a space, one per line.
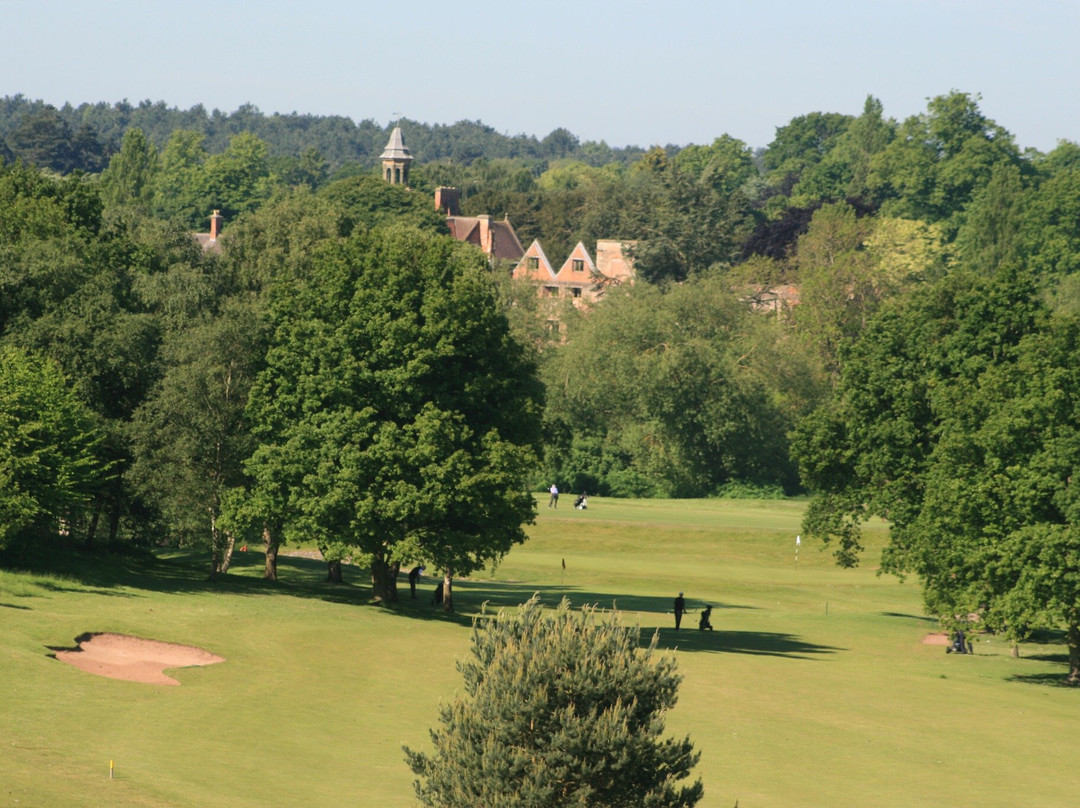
815, 689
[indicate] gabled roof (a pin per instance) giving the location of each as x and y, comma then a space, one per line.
566, 271
543, 271
504, 241
395, 147
464, 228
495, 237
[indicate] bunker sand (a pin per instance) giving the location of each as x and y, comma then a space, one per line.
118, 656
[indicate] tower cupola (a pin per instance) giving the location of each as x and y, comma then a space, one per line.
396, 159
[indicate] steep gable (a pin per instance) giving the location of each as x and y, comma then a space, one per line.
579, 266
534, 265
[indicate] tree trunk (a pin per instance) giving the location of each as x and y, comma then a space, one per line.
333, 572
270, 544
448, 592
395, 570
114, 520
91, 530
215, 548
384, 580
1014, 652
230, 545
1073, 635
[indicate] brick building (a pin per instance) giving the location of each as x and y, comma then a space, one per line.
579, 278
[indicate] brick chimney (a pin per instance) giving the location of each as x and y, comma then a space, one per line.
448, 200
216, 220
486, 236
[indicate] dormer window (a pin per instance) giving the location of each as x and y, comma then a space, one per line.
577, 265
533, 263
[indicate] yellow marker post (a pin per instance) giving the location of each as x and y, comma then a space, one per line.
110, 770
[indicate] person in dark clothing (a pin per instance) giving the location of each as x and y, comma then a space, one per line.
437, 597
703, 621
959, 644
680, 608
414, 576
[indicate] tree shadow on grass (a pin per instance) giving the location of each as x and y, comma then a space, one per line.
133, 573
487, 597
179, 572
755, 643
920, 618
501, 594
1043, 679
1056, 639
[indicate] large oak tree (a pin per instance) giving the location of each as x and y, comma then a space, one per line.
398, 418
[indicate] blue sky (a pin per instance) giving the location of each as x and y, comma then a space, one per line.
629, 72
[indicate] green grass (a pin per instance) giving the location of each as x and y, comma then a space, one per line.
814, 690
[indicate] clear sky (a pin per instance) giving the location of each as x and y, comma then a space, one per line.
625, 71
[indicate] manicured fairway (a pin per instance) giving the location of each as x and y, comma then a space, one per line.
815, 689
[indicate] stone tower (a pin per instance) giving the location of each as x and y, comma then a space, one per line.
396, 159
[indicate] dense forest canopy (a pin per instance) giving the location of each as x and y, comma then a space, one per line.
85, 136
880, 313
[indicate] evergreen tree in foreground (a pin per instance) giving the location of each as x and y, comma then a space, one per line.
559, 709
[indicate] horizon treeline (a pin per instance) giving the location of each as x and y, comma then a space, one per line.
85, 136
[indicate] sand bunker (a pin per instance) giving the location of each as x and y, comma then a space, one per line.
118, 656
936, 638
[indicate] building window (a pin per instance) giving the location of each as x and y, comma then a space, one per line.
534, 262
551, 291
577, 265
576, 291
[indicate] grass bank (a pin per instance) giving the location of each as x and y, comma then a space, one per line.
815, 688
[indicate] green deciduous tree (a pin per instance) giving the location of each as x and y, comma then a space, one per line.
846, 265
1050, 233
177, 187
49, 462
673, 393
190, 437
684, 223
369, 201
396, 415
939, 161
237, 180
129, 179
804, 141
956, 420
559, 709
844, 167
